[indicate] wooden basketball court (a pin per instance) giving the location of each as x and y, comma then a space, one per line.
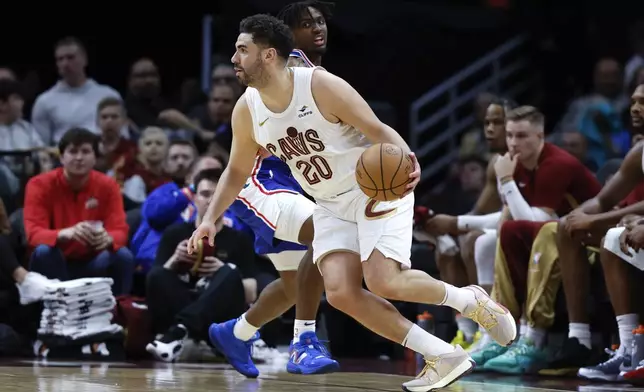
41, 376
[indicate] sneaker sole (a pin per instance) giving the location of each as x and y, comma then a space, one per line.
213, 334
507, 313
461, 370
326, 369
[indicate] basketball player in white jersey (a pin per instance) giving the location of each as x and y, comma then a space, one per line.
273, 206
309, 119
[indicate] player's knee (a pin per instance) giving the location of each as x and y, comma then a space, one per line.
341, 298
379, 282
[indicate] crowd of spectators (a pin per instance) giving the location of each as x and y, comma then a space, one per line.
95, 183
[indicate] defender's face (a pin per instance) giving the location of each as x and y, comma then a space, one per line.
522, 138
311, 34
247, 61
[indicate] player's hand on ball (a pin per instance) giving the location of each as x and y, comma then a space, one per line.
414, 177
505, 164
207, 229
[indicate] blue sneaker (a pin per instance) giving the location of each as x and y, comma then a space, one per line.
236, 351
309, 356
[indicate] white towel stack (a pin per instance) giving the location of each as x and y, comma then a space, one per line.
78, 308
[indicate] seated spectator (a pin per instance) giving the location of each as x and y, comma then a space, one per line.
147, 172
116, 151
585, 227
597, 115
188, 292
74, 218
168, 204
51, 114
576, 145
214, 118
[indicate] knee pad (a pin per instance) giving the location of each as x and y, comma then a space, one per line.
484, 254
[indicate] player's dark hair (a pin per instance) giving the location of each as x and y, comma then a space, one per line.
207, 174
269, 32
526, 113
77, 137
506, 103
293, 13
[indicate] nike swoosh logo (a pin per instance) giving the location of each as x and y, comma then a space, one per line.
370, 213
262, 123
308, 324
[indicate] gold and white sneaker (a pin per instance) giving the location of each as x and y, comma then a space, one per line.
441, 371
496, 319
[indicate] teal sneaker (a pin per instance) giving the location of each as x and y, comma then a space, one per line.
486, 353
524, 357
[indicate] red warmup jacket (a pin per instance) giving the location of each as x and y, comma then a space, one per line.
51, 205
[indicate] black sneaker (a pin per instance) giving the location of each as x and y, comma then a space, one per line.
170, 345
572, 356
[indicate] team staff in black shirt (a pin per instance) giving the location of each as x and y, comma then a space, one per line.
188, 292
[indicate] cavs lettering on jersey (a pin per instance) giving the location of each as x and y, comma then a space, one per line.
322, 155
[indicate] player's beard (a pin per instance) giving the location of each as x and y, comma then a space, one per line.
254, 75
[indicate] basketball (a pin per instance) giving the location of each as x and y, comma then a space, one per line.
383, 172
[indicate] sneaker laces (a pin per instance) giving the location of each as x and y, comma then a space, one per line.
483, 316
430, 365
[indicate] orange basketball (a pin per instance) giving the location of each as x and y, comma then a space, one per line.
383, 172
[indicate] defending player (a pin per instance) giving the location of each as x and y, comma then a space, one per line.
272, 204
309, 118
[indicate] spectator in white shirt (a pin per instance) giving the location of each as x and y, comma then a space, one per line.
72, 102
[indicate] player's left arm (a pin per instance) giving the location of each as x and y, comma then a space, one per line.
339, 101
544, 208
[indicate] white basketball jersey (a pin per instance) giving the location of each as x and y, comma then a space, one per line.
322, 155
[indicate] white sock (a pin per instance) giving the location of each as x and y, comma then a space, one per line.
580, 331
243, 329
467, 326
424, 343
626, 323
457, 298
537, 335
302, 326
523, 327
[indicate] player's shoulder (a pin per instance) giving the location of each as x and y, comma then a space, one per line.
554, 155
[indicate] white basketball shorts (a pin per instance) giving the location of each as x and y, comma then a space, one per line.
355, 223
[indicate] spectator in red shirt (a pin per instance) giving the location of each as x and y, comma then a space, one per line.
74, 218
